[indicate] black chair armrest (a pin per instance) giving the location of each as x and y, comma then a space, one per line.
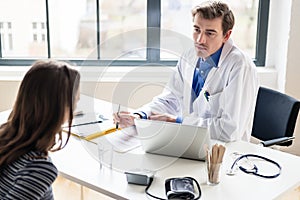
268, 143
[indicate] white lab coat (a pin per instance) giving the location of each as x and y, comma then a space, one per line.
233, 87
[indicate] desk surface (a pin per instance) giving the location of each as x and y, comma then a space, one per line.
78, 162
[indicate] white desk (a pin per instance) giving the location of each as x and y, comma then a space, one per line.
76, 164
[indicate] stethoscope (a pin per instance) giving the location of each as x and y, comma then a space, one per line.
254, 169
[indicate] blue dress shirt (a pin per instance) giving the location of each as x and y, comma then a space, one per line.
200, 74
202, 69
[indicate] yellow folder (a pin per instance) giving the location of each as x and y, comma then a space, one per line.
94, 135
101, 133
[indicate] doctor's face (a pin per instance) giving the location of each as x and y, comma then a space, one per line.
208, 35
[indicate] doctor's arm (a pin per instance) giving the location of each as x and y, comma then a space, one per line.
237, 104
164, 107
168, 105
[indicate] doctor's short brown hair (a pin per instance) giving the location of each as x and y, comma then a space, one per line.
215, 9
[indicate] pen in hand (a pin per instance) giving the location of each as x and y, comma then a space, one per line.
117, 124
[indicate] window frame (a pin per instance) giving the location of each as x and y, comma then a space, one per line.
153, 40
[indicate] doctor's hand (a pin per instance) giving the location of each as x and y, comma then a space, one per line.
124, 118
162, 117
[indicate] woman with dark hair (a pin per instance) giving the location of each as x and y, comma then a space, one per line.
46, 99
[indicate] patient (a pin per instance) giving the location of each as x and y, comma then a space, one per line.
46, 99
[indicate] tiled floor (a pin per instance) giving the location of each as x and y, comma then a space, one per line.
64, 189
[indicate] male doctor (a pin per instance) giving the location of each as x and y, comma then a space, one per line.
214, 85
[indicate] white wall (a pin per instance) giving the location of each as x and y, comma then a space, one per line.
292, 81
283, 52
129, 86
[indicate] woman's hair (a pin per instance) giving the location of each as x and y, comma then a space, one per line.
47, 92
215, 9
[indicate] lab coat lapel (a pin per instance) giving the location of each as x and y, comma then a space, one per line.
202, 104
189, 71
211, 78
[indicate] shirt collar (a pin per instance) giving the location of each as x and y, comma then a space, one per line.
213, 59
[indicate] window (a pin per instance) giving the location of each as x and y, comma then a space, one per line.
127, 32
6, 36
34, 25
38, 32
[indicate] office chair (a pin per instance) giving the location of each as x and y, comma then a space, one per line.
275, 117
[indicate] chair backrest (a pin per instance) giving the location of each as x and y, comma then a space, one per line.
275, 115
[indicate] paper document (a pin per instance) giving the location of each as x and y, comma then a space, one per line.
124, 140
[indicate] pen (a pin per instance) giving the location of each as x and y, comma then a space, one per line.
206, 95
87, 123
117, 124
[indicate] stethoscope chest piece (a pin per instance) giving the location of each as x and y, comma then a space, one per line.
231, 172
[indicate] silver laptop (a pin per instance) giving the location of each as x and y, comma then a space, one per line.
173, 139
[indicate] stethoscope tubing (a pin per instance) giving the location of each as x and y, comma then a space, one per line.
254, 170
